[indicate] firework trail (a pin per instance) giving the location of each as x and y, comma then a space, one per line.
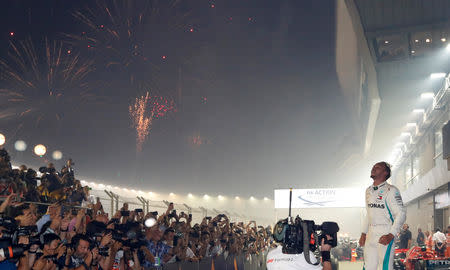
140, 121
144, 111
43, 80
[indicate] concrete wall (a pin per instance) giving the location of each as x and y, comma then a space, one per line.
420, 215
356, 74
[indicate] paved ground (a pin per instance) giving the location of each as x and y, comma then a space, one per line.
350, 265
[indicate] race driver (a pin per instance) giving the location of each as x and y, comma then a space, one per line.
385, 217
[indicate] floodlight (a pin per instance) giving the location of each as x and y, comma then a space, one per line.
2, 139
20, 145
437, 75
40, 150
57, 155
427, 95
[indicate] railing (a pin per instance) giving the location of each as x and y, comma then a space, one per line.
232, 262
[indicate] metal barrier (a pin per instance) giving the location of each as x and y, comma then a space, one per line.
232, 262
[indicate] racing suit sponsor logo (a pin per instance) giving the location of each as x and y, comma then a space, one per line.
375, 205
280, 260
398, 198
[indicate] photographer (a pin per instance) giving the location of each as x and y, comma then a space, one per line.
80, 257
51, 252
156, 252
277, 260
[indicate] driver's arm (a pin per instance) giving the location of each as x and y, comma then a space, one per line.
397, 211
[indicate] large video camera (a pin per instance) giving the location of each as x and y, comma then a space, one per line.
9, 246
302, 236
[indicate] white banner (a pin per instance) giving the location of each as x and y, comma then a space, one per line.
320, 198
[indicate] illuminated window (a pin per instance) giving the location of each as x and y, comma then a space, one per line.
437, 144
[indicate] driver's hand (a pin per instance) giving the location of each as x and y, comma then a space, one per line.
362, 240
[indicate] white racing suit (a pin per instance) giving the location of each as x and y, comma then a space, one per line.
385, 214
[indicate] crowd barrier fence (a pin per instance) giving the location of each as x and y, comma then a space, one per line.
232, 262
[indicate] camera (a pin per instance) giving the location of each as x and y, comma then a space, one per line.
176, 237
172, 214
154, 213
7, 222
12, 252
52, 258
45, 170
125, 213
138, 210
104, 252
301, 235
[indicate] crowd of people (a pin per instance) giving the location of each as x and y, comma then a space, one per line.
50, 222
434, 240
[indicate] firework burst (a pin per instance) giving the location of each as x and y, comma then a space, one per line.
130, 36
43, 81
144, 111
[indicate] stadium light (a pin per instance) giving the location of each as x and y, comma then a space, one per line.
221, 198
437, 75
206, 197
57, 155
171, 194
237, 198
2, 139
252, 198
20, 145
190, 195
427, 95
40, 150
448, 48
266, 199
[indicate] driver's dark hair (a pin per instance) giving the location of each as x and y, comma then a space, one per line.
387, 168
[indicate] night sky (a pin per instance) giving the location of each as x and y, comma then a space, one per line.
258, 102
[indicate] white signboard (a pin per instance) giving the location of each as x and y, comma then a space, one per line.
320, 198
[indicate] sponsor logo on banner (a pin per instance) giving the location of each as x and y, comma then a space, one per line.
320, 198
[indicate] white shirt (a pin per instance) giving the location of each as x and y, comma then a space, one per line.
439, 237
276, 260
